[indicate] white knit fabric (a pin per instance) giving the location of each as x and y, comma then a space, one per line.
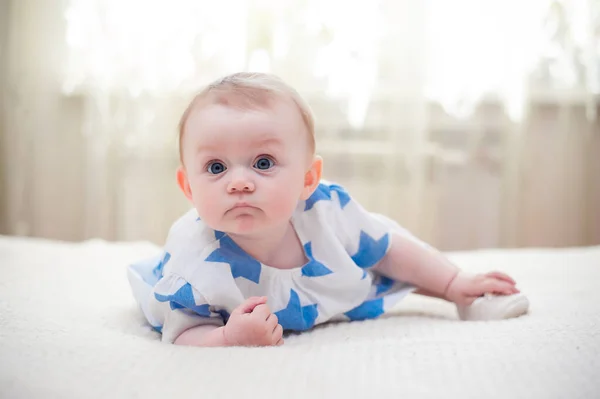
70, 328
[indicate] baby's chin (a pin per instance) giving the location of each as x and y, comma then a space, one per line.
243, 225
250, 226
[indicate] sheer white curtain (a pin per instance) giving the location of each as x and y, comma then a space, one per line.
432, 112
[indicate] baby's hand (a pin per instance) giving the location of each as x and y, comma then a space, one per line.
253, 324
465, 288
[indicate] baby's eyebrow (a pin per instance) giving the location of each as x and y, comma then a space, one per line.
269, 141
206, 148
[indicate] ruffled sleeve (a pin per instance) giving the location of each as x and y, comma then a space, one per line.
177, 306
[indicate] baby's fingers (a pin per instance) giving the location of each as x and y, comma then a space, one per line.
277, 337
272, 322
492, 285
501, 276
249, 304
262, 312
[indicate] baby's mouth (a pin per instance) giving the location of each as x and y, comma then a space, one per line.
242, 207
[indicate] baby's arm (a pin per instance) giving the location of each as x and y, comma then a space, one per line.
250, 324
434, 275
416, 264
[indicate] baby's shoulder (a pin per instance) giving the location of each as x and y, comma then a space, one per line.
326, 202
328, 186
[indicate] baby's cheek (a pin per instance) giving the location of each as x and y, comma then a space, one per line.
207, 207
283, 205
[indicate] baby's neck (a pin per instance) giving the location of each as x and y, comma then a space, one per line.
279, 247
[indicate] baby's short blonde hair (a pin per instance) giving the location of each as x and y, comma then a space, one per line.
249, 90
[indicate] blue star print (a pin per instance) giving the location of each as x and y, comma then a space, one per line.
219, 234
323, 193
157, 329
384, 284
158, 270
149, 270
242, 264
367, 310
370, 251
184, 298
296, 317
343, 195
313, 268
224, 314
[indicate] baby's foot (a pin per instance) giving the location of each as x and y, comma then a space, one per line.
494, 307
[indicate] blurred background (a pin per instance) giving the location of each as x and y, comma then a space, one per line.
474, 123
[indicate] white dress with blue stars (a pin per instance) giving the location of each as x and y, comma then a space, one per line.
202, 275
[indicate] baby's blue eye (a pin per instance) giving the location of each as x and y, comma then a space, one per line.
216, 167
264, 163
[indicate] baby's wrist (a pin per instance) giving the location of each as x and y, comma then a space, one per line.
449, 284
237, 339
226, 341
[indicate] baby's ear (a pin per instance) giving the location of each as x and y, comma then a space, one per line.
183, 182
312, 178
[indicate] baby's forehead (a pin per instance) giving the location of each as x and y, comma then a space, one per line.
269, 116
263, 125
243, 102
212, 114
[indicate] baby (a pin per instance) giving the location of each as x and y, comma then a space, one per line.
269, 247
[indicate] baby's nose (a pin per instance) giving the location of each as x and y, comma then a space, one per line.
240, 183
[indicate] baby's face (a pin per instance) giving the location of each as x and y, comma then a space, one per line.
245, 167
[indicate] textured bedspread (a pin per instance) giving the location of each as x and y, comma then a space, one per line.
69, 328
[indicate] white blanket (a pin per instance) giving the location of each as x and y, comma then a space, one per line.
69, 328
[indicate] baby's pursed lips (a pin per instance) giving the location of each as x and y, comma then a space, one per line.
242, 205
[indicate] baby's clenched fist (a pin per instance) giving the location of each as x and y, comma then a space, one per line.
253, 324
